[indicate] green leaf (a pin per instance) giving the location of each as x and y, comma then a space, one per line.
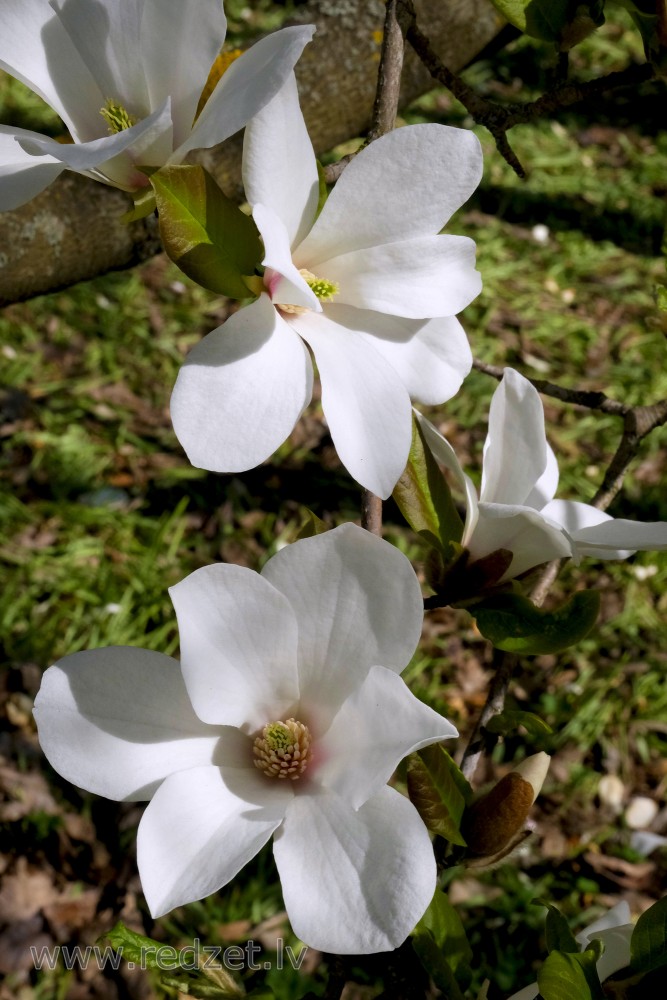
423, 496
313, 525
566, 976
558, 933
508, 722
144, 204
650, 18
648, 944
564, 22
439, 792
515, 624
143, 951
205, 233
323, 190
436, 965
442, 921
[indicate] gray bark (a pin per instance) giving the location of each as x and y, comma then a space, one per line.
73, 231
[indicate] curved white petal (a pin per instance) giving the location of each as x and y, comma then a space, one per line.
201, 827
238, 646
180, 40
531, 538
527, 993
279, 168
431, 357
241, 390
546, 486
366, 405
377, 726
618, 538
107, 38
36, 49
144, 144
357, 603
404, 185
117, 721
579, 519
284, 283
445, 455
22, 176
515, 451
249, 83
418, 278
354, 882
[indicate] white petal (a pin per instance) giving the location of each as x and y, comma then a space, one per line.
616, 953
357, 602
419, 278
241, 390
36, 49
279, 168
180, 40
22, 176
282, 280
431, 357
107, 38
354, 882
361, 750
527, 534
617, 916
546, 486
366, 405
201, 828
238, 646
404, 185
115, 154
580, 520
515, 451
527, 993
445, 455
618, 537
249, 83
116, 721
574, 516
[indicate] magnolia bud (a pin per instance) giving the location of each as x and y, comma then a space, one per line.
493, 822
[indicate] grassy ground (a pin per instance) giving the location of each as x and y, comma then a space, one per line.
100, 512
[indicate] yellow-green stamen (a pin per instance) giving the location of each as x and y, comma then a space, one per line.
282, 749
325, 290
117, 117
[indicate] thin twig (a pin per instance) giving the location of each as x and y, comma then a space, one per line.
371, 512
500, 118
592, 400
503, 665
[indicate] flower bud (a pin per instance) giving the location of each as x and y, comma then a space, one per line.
494, 821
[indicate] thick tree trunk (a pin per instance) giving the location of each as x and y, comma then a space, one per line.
73, 231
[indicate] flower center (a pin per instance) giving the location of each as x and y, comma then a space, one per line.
323, 289
117, 117
283, 749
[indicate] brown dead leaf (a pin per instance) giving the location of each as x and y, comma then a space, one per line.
631, 875
25, 892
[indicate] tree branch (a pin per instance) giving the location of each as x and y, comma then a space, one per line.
73, 231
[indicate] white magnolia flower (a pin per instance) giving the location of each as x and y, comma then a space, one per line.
286, 716
516, 509
126, 76
614, 930
368, 285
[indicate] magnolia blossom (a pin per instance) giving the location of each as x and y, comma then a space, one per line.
516, 509
126, 77
286, 716
615, 931
368, 285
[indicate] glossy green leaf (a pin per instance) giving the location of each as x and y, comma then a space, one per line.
567, 976
445, 926
508, 722
437, 966
563, 22
423, 496
648, 945
313, 525
515, 624
322, 190
135, 947
205, 233
144, 204
439, 792
558, 933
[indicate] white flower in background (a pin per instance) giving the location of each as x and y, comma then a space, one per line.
614, 930
516, 509
278, 720
368, 285
126, 76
